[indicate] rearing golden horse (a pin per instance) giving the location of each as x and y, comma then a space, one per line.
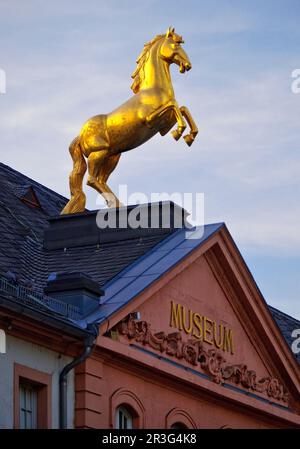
152, 109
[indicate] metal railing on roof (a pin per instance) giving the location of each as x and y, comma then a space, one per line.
41, 302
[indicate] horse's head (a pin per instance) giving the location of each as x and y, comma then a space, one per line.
172, 51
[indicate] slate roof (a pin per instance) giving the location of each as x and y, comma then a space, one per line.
24, 258
48, 310
123, 268
287, 325
21, 238
19, 221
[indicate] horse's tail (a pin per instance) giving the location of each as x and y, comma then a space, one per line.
78, 199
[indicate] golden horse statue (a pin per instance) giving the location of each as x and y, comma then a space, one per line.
152, 109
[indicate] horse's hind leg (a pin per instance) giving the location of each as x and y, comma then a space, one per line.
105, 171
100, 167
78, 199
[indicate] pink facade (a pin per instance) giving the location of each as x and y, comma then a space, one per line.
203, 352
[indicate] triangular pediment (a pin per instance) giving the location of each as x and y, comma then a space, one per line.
208, 316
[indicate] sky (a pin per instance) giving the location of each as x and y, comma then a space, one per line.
66, 61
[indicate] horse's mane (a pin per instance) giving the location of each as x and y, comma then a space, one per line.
139, 74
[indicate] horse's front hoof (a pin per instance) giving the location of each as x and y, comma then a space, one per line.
189, 139
113, 203
176, 134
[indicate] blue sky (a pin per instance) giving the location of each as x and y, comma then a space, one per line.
66, 61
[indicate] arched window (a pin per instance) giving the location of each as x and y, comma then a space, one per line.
132, 410
124, 418
178, 425
179, 419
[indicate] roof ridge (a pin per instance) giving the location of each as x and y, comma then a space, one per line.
32, 181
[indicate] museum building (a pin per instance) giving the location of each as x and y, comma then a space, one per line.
158, 327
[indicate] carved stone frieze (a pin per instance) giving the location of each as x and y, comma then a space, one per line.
211, 361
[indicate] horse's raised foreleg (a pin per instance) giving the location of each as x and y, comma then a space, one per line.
189, 138
152, 118
177, 133
78, 199
97, 162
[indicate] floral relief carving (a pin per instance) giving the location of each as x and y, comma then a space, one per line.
210, 361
